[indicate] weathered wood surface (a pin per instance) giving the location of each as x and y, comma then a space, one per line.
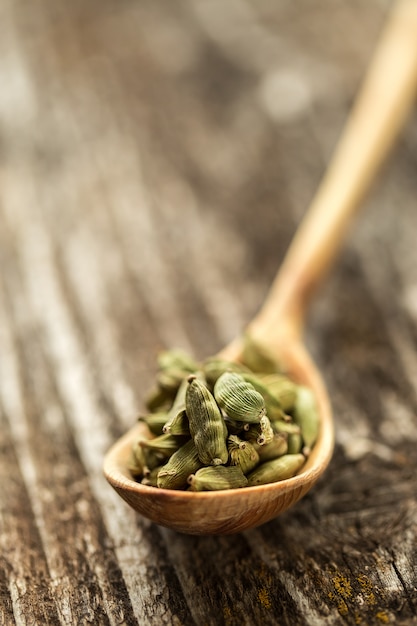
155, 158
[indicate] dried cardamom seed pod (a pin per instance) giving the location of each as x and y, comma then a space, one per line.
207, 426
238, 398
150, 477
185, 461
158, 399
278, 469
153, 458
307, 417
257, 357
252, 434
154, 421
174, 367
273, 406
176, 359
274, 449
267, 433
214, 367
295, 443
242, 453
170, 380
261, 433
234, 427
164, 445
177, 408
217, 478
136, 463
179, 425
286, 427
281, 388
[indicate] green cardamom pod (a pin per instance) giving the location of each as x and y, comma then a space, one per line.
136, 463
217, 478
176, 359
179, 425
273, 406
214, 367
286, 427
276, 448
154, 421
257, 357
261, 433
170, 380
207, 425
278, 469
282, 389
295, 443
185, 461
267, 433
175, 413
252, 434
238, 398
242, 453
306, 416
158, 399
234, 427
164, 445
150, 477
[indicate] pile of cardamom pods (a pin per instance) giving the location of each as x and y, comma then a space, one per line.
223, 425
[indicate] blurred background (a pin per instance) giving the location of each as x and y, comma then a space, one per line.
155, 160
160, 155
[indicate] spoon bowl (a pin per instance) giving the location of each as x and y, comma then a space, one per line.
232, 510
379, 113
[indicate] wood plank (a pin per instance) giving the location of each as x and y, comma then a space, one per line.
25, 579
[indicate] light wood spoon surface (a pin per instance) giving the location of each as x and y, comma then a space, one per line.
377, 117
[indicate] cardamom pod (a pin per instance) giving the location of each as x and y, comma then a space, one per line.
170, 380
185, 461
234, 427
217, 478
214, 367
275, 448
207, 425
242, 453
150, 477
261, 433
176, 359
267, 433
257, 357
154, 421
295, 443
281, 388
158, 399
164, 445
238, 398
179, 424
177, 408
286, 427
307, 417
136, 463
273, 406
278, 469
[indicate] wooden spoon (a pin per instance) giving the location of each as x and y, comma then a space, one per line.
379, 114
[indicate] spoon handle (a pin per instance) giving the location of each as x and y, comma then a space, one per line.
378, 115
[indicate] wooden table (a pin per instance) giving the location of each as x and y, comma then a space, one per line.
155, 159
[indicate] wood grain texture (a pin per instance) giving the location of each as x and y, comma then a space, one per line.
155, 158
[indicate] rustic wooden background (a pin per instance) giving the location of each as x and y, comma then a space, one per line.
155, 159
